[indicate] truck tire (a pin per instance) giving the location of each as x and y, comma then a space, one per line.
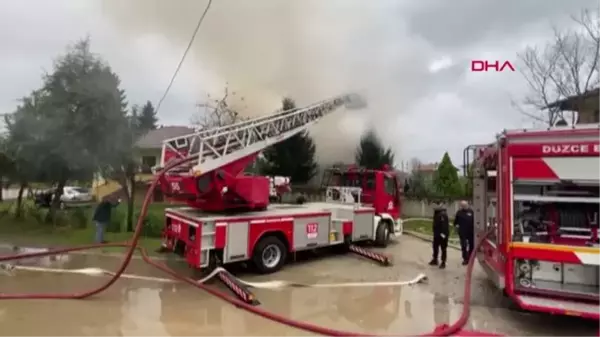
269, 255
382, 235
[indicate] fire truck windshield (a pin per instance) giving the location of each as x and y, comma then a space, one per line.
389, 185
364, 180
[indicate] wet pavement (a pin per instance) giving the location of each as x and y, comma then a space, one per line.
137, 307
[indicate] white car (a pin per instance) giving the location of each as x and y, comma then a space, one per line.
75, 196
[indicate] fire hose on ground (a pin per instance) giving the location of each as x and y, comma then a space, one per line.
132, 246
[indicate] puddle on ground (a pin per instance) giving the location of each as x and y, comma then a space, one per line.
46, 261
147, 308
134, 307
79, 261
150, 308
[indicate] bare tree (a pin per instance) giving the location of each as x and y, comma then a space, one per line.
416, 185
218, 112
415, 164
566, 66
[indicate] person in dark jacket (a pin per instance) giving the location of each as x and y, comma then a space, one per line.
463, 221
441, 229
102, 216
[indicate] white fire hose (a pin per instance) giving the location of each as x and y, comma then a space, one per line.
277, 284
10, 269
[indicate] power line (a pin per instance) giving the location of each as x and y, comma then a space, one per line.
184, 55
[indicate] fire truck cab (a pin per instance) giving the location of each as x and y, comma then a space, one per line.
378, 188
228, 217
536, 192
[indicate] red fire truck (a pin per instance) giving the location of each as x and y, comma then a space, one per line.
229, 219
538, 192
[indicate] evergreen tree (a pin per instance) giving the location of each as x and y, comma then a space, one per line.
147, 118
371, 153
294, 157
445, 180
75, 126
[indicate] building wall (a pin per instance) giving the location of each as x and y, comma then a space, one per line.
423, 209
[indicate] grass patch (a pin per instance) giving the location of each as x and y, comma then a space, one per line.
69, 237
426, 227
74, 227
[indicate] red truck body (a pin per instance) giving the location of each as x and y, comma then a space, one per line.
229, 219
537, 192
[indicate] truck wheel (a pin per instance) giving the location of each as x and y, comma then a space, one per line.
382, 236
269, 255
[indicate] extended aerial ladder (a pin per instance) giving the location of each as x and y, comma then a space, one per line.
214, 181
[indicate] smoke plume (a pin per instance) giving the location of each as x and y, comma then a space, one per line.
305, 49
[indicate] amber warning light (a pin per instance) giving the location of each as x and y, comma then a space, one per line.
491, 65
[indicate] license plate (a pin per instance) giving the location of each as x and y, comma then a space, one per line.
332, 237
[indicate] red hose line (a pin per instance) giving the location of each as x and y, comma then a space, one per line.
133, 245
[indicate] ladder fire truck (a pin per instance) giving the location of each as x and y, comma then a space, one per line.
229, 219
538, 192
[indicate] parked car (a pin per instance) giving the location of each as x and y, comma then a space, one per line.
72, 196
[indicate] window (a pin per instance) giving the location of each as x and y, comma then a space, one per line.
370, 181
147, 163
351, 180
181, 142
389, 185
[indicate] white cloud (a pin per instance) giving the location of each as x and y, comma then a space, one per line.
441, 64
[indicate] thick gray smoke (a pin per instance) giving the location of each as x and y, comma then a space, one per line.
305, 49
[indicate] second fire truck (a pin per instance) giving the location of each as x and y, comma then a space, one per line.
537, 192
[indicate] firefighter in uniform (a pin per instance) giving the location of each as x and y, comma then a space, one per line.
463, 221
441, 229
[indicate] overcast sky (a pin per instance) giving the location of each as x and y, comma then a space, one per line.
410, 58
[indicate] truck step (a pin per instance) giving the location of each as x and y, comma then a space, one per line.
240, 290
380, 258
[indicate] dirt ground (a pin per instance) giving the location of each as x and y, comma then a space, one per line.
138, 307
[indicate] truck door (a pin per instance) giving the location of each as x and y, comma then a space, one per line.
389, 195
485, 211
368, 188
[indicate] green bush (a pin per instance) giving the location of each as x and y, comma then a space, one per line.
153, 223
62, 218
116, 220
79, 218
34, 214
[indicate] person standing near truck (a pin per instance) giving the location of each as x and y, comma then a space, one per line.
441, 230
102, 216
463, 221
